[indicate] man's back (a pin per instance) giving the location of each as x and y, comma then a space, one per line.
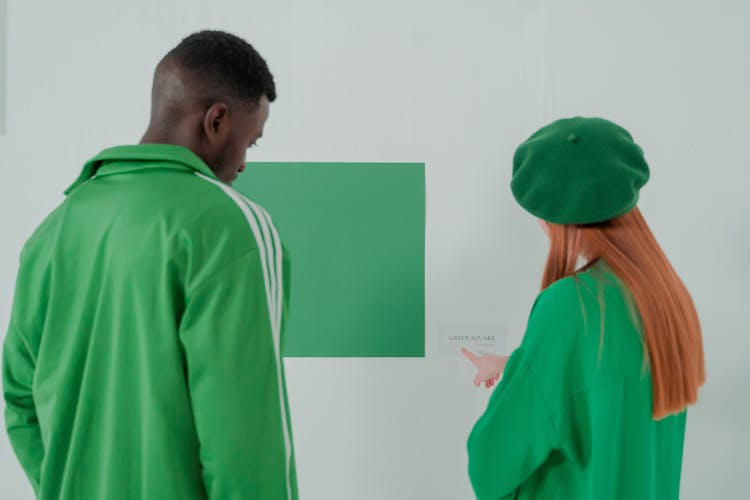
145, 339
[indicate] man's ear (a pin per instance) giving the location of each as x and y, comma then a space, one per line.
216, 123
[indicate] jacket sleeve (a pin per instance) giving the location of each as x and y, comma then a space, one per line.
236, 384
521, 425
513, 437
20, 412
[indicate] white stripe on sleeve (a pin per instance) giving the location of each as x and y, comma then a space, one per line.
271, 260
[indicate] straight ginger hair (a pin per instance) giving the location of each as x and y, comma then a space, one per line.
670, 327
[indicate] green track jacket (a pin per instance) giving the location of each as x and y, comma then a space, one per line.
143, 358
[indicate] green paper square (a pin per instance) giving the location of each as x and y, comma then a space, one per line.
355, 236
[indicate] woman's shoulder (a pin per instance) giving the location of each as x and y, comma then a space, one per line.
590, 285
569, 305
558, 297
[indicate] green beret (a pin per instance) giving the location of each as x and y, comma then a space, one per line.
579, 171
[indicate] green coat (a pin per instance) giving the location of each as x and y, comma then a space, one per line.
571, 417
143, 355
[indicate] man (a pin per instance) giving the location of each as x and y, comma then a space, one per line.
143, 355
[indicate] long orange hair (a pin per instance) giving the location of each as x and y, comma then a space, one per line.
671, 329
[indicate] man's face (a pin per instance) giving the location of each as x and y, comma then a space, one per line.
246, 127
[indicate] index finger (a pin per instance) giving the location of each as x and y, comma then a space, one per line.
470, 355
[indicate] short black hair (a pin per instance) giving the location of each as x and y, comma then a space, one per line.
226, 64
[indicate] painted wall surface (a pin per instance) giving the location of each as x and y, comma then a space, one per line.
3, 52
456, 85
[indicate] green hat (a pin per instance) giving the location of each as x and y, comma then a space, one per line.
579, 171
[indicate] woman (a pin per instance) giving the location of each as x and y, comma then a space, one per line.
592, 404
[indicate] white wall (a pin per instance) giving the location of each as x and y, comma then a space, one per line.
3, 43
457, 85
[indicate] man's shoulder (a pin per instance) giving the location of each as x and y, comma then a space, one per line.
216, 205
224, 223
200, 211
225, 226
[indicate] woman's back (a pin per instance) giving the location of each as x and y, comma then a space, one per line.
572, 417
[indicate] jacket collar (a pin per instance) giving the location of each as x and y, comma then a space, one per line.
121, 159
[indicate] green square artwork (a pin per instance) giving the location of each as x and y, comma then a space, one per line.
355, 236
